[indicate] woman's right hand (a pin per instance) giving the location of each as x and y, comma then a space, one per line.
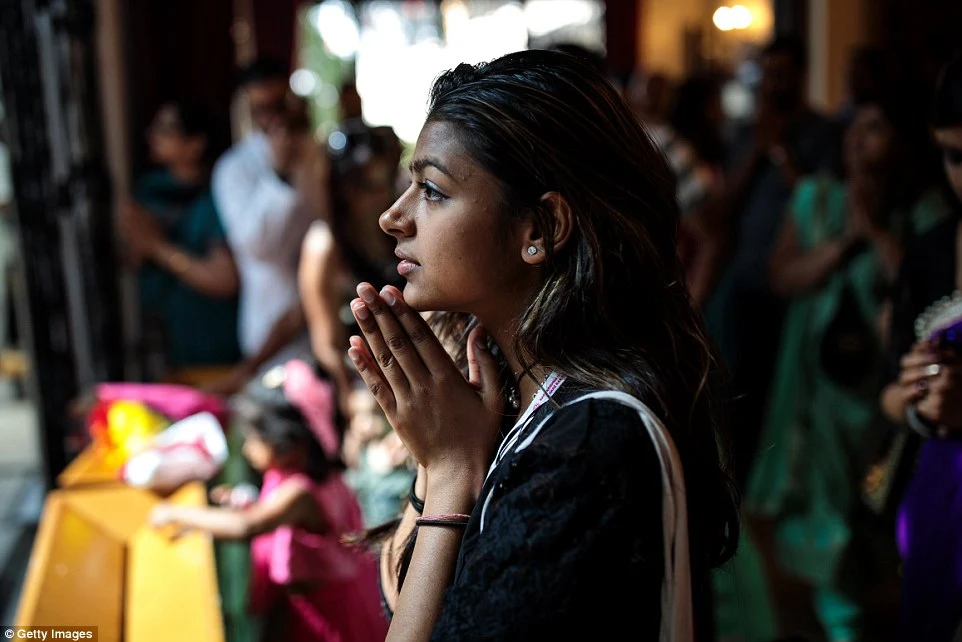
931, 379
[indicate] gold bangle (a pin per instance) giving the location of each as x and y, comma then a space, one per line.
179, 261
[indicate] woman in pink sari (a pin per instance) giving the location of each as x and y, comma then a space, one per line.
307, 584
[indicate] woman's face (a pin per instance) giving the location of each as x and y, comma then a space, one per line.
167, 141
460, 250
869, 140
949, 140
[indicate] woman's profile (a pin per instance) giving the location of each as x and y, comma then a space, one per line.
540, 230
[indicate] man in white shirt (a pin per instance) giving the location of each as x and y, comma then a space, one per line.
265, 221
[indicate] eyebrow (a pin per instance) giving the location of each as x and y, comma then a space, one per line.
418, 164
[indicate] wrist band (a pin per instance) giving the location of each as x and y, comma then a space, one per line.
416, 502
456, 520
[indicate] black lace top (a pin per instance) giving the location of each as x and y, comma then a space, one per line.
572, 540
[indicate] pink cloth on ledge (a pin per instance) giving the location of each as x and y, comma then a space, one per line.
174, 401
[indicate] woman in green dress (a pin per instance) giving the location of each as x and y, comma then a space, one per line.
186, 274
838, 250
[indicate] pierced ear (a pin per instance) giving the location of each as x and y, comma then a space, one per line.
562, 223
533, 252
564, 220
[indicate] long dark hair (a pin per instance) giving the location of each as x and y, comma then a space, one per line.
266, 411
613, 311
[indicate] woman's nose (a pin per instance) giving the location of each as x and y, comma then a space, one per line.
396, 220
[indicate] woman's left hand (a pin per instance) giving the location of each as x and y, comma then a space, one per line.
449, 424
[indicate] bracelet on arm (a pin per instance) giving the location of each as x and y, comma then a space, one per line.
416, 502
455, 520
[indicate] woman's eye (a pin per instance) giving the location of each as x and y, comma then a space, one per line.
430, 193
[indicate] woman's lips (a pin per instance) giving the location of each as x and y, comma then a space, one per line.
406, 266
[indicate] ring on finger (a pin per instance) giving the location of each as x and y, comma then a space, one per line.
933, 370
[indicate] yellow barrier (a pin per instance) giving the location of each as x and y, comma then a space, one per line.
88, 469
97, 562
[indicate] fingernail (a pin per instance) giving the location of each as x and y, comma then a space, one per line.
354, 354
388, 297
361, 311
367, 293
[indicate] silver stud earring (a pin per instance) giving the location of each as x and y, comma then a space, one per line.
532, 250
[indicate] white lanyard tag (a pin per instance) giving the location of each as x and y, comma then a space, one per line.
551, 385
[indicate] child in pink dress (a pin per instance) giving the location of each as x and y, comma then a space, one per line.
306, 583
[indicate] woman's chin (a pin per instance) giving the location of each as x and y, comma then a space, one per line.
414, 297
422, 301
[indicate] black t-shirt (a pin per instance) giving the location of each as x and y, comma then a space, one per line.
572, 541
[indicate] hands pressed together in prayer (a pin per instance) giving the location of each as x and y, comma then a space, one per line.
448, 423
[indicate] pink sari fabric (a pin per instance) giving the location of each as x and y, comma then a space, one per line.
329, 592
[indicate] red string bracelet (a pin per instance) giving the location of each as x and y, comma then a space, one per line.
456, 520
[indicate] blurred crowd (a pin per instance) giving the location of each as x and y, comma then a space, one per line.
248, 260
812, 242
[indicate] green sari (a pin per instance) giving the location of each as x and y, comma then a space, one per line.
807, 469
